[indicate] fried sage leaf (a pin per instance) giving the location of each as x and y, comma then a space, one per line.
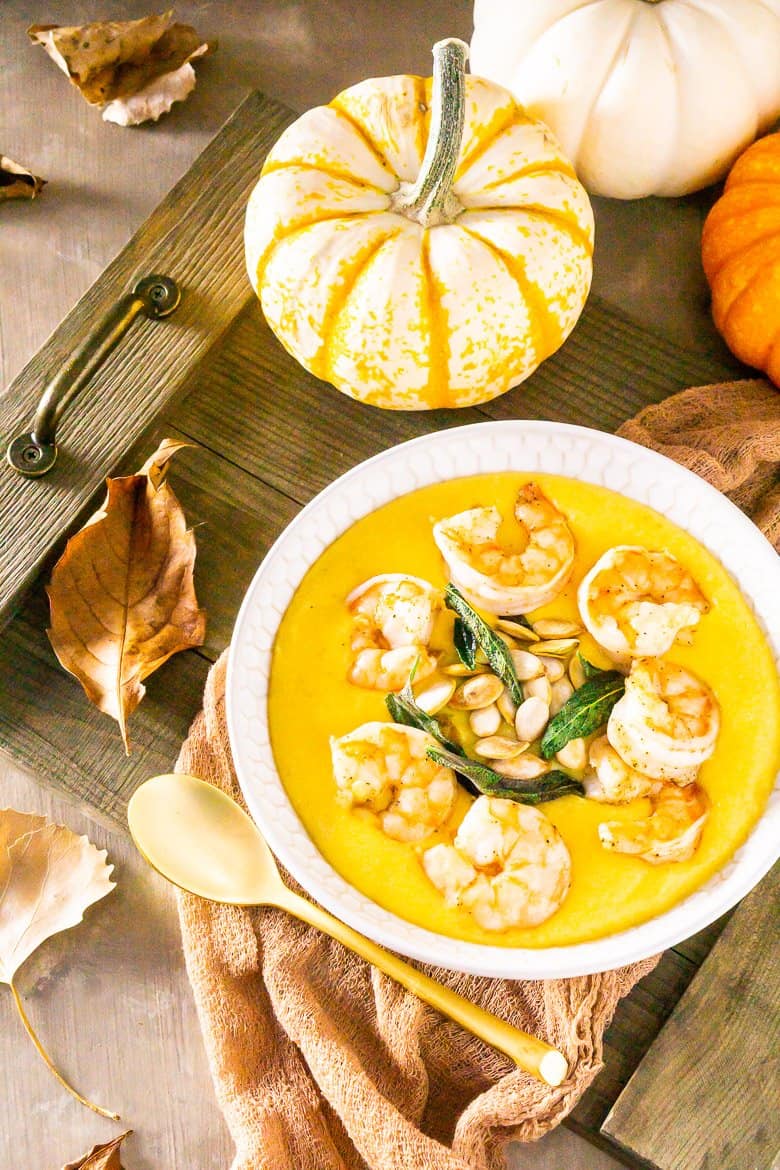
403, 709
496, 651
520, 620
487, 782
586, 711
122, 596
465, 644
588, 669
48, 877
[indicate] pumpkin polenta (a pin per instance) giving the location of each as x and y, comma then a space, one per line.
311, 700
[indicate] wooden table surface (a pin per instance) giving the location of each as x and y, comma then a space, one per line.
111, 998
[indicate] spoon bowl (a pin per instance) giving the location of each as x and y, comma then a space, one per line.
201, 840
197, 837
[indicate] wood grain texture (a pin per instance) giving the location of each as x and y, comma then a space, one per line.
236, 518
112, 1003
705, 1096
253, 403
195, 236
637, 1022
47, 724
608, 369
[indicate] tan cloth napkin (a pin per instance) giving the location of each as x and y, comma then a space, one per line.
320, 1062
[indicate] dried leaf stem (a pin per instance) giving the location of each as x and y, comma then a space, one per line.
48, 1061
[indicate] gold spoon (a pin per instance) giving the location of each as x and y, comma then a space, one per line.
198, 838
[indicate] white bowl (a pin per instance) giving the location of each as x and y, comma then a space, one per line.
558, 449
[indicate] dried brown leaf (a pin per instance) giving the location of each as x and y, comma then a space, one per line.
115, 59
16, 182
122, 597
48, 877
105, 1156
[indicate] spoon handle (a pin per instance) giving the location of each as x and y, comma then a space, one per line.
529, 1053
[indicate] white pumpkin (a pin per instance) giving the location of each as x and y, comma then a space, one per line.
647, 97
415, 276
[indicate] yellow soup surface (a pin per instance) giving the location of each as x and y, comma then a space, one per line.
311, 700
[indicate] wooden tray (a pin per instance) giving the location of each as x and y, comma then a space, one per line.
269, 437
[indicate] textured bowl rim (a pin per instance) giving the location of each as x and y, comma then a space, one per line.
525, 446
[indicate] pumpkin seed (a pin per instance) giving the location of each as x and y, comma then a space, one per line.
558, 647
477, 692
499, 747
553, 668
526, 664
531, 718
573, 755
460, 670
507, 706
523, 767
562, 691
556, 628
435, 695
577, 671
516, 631
540, 687
485, 721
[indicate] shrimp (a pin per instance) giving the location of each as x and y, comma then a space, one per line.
666, 723
636, 603
383, 767
392, 623
610, 779
508, 865
671, 832
497, 578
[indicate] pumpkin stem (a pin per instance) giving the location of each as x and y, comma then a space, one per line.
430, 200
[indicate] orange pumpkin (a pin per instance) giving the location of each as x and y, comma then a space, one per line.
741, 257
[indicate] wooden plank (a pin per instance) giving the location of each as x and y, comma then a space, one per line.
237, 520
607, 370
236, 517
48, 725
720, 1047
637, 1021
252, 402
196, 237
46, 721
699, 945
256, 406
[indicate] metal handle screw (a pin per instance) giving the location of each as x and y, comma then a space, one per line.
35, 452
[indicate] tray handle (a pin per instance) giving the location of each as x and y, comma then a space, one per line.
35, 452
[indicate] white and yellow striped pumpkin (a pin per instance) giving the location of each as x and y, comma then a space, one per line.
420, 243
